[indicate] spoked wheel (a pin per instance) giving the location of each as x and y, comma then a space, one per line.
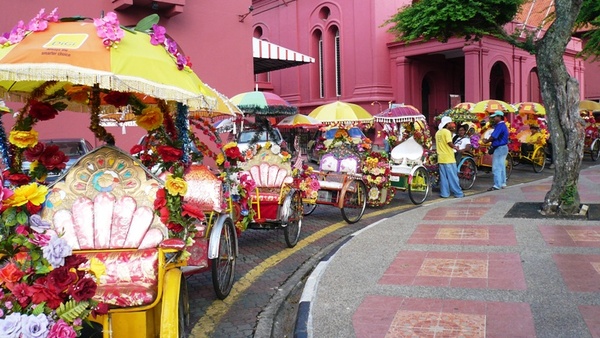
419, 187
538, 159
309, 208
509, 165
467, 172
595, 150
291, 231
223, 267
354, 201
183, 308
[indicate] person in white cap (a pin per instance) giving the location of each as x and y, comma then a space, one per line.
499, 139
446, 161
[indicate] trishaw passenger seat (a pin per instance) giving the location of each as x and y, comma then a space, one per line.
526, 148
104, 206
409, 150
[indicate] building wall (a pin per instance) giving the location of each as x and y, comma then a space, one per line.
210, 32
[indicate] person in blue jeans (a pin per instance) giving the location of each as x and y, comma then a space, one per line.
446, 162
499, 139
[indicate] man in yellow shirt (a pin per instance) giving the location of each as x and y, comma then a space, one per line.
446, 161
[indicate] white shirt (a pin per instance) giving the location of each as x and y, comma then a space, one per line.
462, 142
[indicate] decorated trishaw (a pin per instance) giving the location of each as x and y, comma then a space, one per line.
592, 136
529, 145
401, 166
104, 250
340, 181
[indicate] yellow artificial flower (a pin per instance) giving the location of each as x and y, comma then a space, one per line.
176, 186
33, 193
97, 267
220, 158
150, 119
268, 145
23, 139
229, 145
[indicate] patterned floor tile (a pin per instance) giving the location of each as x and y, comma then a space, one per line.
580, 272
501, 271
456, 214
463, 235
591, 316
583, 236
392, 317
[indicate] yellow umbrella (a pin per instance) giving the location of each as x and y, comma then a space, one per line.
223, 106
490, 106
532, 108
465, 105
341, 112
589, 105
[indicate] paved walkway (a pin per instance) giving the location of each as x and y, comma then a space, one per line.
460, 268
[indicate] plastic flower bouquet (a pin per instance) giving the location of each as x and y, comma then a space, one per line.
307, 181
44, 291
376, 171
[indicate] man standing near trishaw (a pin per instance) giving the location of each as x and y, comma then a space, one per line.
499, 150
446, 162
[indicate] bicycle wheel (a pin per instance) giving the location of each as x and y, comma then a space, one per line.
223, 267
467, 172
509, 165
308, 208
291, 231
538, 160
354, 201
595, 150
419, 186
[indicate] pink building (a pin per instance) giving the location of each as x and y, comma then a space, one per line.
356, 59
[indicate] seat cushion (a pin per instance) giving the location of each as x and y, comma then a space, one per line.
130, 277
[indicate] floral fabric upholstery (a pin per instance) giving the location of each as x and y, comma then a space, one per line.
269, 179
130, 277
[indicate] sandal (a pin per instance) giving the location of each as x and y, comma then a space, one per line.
492, 189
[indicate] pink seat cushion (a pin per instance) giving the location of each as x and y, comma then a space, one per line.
130, 278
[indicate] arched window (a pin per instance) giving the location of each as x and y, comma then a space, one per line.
338, 64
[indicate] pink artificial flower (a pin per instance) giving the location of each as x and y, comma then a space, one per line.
181, 61
108, 29
157, 37
62, 329
40, 22
18, 32
171, 46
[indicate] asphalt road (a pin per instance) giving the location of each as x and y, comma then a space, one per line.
269, 276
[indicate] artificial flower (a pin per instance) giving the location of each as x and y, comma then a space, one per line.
220, 159
150, 119
79, 94
192, 211
176, 186
62, 329
33, 153
32, 193
17, 179
169, 154
157, 37
23, 138
10, 273
84, 289
42, 111
56, 251
53, 158
109, 30
117, 99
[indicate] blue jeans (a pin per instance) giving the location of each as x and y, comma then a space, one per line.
449, 180
499, 166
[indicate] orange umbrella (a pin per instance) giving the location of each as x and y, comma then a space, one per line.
490, 106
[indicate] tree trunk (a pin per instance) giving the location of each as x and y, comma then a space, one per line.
561, 96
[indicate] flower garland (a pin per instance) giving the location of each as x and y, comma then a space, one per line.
376, 171
307, 181
44, 289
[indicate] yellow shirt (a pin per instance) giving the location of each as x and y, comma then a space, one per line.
444, 151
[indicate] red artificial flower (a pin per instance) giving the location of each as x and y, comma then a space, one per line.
84, 289
234, 153
164, 215
100, 309
117, 99
10, 273
22, 229
42, 292
192, 211
17, 179
32, 208
42, 111
169, 154
160, 201
61, 278
53, 158
22, 292
33, 153
136, 149
177, 228
74, 261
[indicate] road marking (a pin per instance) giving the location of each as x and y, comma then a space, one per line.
207, 323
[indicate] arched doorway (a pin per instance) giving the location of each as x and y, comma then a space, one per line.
534, 93
500, 82
425, 96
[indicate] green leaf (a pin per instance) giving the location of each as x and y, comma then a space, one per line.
22, 217
146, 23
38, 309
60, 106
72, 310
